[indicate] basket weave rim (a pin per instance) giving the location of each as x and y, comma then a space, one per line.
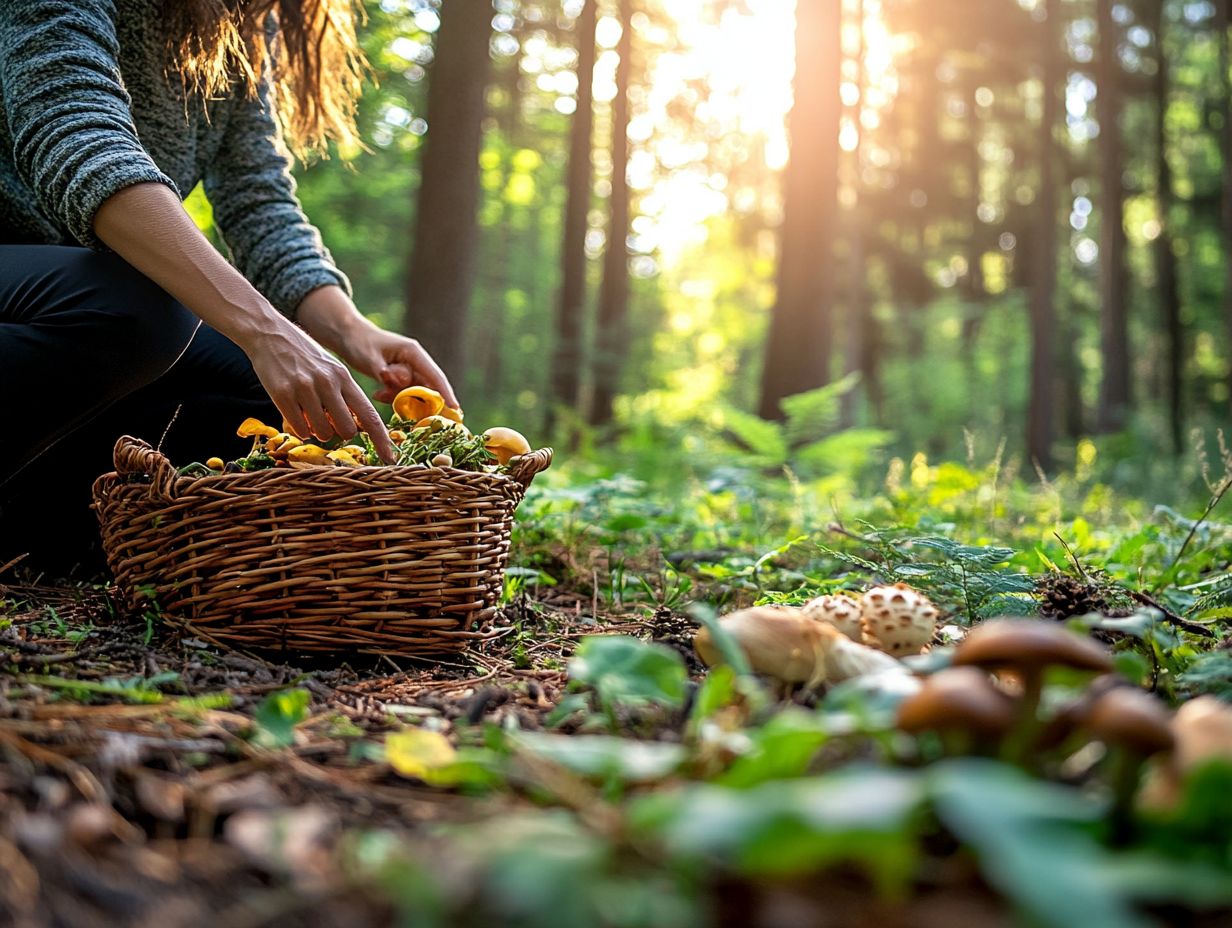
135, 457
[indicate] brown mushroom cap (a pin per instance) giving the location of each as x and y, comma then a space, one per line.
1028, 644
1203, 730
1128, 717
1070, 717
958, 698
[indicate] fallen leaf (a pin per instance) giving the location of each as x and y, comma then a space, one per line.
419, 753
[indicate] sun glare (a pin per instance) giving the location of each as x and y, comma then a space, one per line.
732, 75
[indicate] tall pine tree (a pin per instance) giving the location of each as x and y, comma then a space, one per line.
441, 272
798, 347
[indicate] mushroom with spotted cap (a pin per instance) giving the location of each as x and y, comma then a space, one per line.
784, 643
897, 619
838, 609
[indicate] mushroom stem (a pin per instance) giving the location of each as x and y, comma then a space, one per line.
1125, 772
958, 743
1017, 748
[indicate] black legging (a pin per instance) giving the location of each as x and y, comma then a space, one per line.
91, 350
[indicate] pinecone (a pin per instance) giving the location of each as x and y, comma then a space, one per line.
676, 631
1063, 597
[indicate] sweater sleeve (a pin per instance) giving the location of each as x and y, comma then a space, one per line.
252, 192
69, 116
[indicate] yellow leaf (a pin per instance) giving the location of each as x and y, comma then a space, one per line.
419, 753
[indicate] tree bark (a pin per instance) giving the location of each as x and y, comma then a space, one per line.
567, 357
1114, 392
1223, 20
1165, 256
441, 273
611, 330
509, 121
973, 286
855, 327
1040, 415
798, 347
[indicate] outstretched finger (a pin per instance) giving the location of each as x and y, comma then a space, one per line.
371, 422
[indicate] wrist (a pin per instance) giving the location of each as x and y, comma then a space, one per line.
329, 316
251, 322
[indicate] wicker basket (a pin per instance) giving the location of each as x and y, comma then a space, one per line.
384, 560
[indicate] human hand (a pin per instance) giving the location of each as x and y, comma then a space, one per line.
396, 362
313, 390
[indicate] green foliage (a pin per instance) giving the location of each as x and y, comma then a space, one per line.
278, 715
866, 816
1215, 601
628, 672
1033, 841
605, 758
974, 576
809, 440
1209, 673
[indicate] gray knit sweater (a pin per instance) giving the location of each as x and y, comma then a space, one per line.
85, 110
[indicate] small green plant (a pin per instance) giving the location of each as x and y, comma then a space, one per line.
277, 716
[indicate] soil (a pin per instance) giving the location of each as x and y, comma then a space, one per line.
132, 792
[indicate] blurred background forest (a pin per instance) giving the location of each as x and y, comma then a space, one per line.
943, 227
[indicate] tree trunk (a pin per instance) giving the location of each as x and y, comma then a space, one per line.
1114, 317
611, 330
1040, 414
1070, 322
509, 120
1165, 257
1223, 20
973, 286
857, 297
567, 358
798, 346
441, 275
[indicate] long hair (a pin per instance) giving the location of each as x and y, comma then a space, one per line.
315, 64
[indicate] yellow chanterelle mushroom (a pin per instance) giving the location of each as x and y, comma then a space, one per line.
455, 415
255, 428
309, 456
215, 464
344, 458
416, 403
505, 444
281, 445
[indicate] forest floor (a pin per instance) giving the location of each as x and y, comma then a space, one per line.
148, 778
133, 790
136, 787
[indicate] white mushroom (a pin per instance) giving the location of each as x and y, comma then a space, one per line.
784, 643
897, 619
840, 610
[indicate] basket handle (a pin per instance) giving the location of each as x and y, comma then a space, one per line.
525, 467
134, 456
